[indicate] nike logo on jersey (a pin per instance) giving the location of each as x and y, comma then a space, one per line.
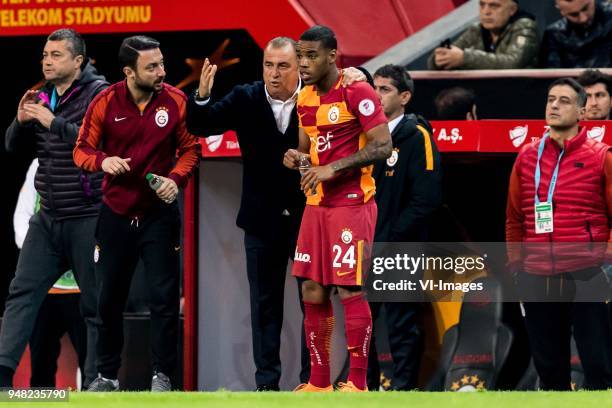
341, 274
120, 119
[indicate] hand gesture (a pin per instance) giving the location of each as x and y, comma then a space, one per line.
115, 165
29, 97
207, 78
40, 113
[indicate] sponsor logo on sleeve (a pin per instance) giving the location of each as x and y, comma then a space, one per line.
366, 107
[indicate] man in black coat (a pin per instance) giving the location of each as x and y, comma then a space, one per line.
408, 191
61, 234
582, 38
264, 117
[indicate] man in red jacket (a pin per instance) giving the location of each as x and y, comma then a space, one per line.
133, 128
560, 208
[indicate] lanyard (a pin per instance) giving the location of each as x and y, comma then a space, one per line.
53, 101
553, 180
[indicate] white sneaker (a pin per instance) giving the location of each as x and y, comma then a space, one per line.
160, 383
102, 384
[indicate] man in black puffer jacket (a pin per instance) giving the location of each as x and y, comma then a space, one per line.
581, 39
61, 234
408, 191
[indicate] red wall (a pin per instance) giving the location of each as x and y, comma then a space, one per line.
66, 368
364, 28
262, 19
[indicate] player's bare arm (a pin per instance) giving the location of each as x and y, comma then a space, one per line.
378, 147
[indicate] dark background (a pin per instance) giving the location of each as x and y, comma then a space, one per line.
22, 71
471, 180
475, 185
496, 98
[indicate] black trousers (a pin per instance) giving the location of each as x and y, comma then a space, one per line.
120, 242
405, 343
266, 259
50, 248
58, 314
550, 326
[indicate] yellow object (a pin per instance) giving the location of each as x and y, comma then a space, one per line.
446, 315
308, 387
349, 387
429, 163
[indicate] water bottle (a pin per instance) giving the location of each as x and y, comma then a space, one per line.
304, 164
155, 182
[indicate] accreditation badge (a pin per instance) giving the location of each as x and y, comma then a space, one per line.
543, 218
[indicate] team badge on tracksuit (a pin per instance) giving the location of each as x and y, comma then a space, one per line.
161, 116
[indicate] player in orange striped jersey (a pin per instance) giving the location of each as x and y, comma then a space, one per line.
343, 130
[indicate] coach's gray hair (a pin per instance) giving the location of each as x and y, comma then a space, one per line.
281, 42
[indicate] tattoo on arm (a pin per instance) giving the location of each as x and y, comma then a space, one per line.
374, 150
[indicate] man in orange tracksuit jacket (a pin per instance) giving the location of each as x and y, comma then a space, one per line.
133, 128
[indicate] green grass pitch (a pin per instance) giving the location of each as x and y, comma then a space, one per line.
488, 399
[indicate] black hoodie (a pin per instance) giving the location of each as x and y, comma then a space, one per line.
408, 184
65, 190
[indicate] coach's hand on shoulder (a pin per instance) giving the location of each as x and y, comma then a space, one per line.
292, 159
115, 165
207, 78
351, 75
314, 175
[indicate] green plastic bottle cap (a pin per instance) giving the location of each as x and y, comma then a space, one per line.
149, 176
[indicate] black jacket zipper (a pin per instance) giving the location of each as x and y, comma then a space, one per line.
588, 227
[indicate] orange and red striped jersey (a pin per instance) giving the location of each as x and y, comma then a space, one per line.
336, 124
